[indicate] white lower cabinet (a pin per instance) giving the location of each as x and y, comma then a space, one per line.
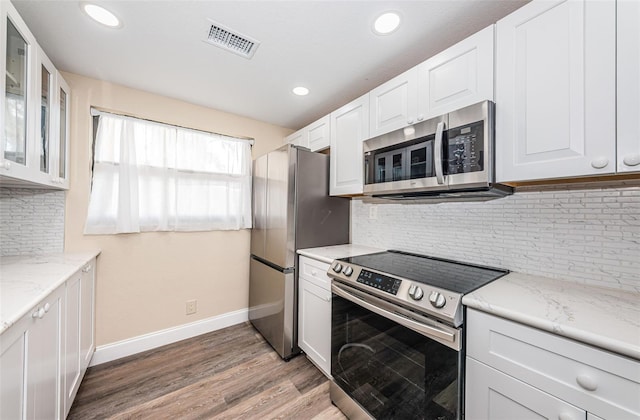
495, 395
44, 355
12, 379
30, 362
79, 345
314, 312
44, 344
519, 372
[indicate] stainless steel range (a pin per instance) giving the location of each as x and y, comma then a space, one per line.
397, 334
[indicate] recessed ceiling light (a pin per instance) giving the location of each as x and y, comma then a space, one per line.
101, 15
300, 91
386, 23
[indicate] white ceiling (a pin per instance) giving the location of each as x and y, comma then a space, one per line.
327, 46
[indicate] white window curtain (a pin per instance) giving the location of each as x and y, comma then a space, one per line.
149, 176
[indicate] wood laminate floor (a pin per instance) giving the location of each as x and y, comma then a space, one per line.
227, 374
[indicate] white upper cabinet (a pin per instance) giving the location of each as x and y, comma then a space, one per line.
628, 56
315, 136
61, 151
460, 76
394, 104
299, 138
349, 128
35, 137
555, 90
18, 57
319, 134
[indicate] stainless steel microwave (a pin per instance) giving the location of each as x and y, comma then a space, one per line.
451, 156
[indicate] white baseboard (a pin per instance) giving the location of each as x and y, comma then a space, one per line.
119, 349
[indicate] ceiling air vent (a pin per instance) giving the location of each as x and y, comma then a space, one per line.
230, 40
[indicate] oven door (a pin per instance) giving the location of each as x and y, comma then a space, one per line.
393, 363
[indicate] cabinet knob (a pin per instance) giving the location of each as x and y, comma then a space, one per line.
420, 117
5, 165
587, 382
410, 121
632, 160
38, 313
314, 272
47, 307
600, 162
86, 269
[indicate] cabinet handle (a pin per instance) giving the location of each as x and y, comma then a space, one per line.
5, 165
587, 382
47, 307
86, 269
632, 159
600, 162
565, 416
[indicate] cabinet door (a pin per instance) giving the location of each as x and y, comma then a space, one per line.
394, 104
61, 151
319, 134
628, 56
555, 90
349, 128
314, 324
461, 75
45, 123
73, 321
43, 359
299, 138
12, 379
87, 320
490, 394
17, 90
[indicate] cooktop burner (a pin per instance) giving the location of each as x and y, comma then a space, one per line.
445, 274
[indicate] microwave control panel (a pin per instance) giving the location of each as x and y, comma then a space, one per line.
465, 149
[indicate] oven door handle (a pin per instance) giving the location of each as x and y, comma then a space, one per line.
440, 335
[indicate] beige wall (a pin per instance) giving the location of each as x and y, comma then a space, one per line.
144, 280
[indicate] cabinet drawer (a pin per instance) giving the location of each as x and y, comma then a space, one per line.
315, 272
600, 382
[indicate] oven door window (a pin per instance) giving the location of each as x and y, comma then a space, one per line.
390, 370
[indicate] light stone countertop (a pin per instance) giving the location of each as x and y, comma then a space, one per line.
602, 317
329, 253
26, 280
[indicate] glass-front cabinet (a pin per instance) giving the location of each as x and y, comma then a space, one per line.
63, 126
33, 142
17, 88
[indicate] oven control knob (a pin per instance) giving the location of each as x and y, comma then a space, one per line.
337, 268
347, 271
415, 292
437, 300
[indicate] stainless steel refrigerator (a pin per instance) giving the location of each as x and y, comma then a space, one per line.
292, 210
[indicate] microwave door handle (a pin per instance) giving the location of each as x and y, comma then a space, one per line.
437, 152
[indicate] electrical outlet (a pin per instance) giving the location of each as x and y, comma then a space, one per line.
192, 307
373, 212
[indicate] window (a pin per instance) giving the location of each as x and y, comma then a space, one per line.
149, 176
